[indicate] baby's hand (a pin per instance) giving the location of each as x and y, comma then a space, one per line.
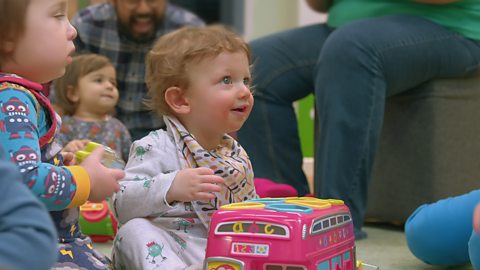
103, 181
194, 184
75, 145
68, 158
476, 218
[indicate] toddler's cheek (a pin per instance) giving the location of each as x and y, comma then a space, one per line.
476, 218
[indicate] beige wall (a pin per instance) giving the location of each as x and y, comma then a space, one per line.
267, 16
262, 17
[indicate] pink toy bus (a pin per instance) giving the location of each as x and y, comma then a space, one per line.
297, 233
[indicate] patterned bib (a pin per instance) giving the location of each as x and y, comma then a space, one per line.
229, 161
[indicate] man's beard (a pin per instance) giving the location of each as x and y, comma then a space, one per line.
127, 29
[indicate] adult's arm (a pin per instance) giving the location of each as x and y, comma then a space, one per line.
320, 5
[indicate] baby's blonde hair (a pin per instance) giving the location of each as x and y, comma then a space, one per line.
167, 61
81, 65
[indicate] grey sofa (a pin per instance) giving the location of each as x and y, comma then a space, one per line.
429, 148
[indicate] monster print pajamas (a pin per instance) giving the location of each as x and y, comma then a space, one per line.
154, 234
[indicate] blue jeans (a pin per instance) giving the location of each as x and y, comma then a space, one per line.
441, 233
351, 70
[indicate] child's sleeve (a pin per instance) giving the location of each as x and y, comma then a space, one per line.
149, 174
28, 238
22, 121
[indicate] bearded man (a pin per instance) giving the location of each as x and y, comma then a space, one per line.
124, 31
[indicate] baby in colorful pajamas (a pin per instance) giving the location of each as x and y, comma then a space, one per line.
199, 78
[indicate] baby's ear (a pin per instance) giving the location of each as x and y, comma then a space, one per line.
176, 100
72, 94
8, 46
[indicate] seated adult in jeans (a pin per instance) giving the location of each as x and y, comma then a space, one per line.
367, 51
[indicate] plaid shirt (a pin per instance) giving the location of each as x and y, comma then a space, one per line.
97, 29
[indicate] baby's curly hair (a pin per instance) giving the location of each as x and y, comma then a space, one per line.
167, 61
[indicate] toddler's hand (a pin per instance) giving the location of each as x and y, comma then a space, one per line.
68, 158
476, 218
103, 181
75, 145
194, 184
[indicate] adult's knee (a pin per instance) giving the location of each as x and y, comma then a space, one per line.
430, 239
349, 44
348, 61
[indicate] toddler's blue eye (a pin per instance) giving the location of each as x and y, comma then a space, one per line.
227, 80
246, 81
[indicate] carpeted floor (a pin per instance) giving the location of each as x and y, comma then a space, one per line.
385, 247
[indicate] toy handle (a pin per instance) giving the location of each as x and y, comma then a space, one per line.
94, 212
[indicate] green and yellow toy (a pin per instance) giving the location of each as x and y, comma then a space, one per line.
96, 219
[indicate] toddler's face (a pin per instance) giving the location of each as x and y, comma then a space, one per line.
219, 92
97, 92
46, 46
